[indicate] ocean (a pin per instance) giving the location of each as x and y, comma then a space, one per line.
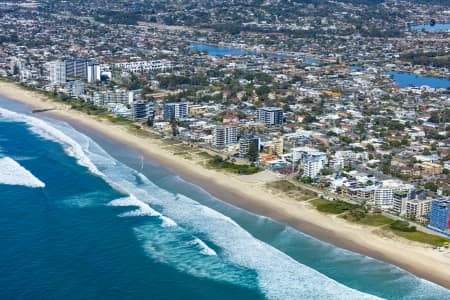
84, 217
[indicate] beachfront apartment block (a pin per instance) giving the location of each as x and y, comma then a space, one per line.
440, 213
225, 136
299, 152
383, 194
76, 68
75, 88
313, 163
177, 110
399, 201
311, 160
57, 70
140, 110
117, 96
270, 116
93, 72
16, 66
418, 209
387, 194
245, 142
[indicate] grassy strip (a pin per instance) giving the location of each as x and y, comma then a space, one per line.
368, 219
219, 163
421, 237
205, 154
291, 190
181, 153
332, 207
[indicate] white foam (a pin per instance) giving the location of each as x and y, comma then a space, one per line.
143, 208
23, 158
82, 200
204, 248
179, 249
12, 173
167, 222
49, 132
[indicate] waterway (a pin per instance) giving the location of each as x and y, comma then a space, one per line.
436, 27
405, 79
214, 50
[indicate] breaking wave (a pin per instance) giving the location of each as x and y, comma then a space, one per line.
49, 132
143, 208
12, 173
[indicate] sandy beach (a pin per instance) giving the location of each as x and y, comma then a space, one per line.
250, 193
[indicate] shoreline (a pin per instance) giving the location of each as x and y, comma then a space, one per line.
413, 257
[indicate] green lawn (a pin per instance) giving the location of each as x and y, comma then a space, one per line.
332, 207
119, 120
421, 237
219, 163
205, 154
375, 220
369, 219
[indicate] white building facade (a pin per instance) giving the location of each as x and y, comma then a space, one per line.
57, 70
225, 136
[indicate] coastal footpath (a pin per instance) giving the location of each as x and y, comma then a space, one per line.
253, 193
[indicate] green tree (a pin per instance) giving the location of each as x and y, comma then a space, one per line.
306, 179
173, 122
252, 154
431, 186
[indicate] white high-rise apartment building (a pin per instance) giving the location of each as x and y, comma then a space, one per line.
312, 163
106, 97
225, 136
57, 71
93, 72
417, 208
383, 195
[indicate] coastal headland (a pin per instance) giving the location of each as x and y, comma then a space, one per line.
251, 192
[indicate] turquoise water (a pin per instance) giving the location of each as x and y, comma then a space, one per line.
88, 218
404, 79
436, 27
